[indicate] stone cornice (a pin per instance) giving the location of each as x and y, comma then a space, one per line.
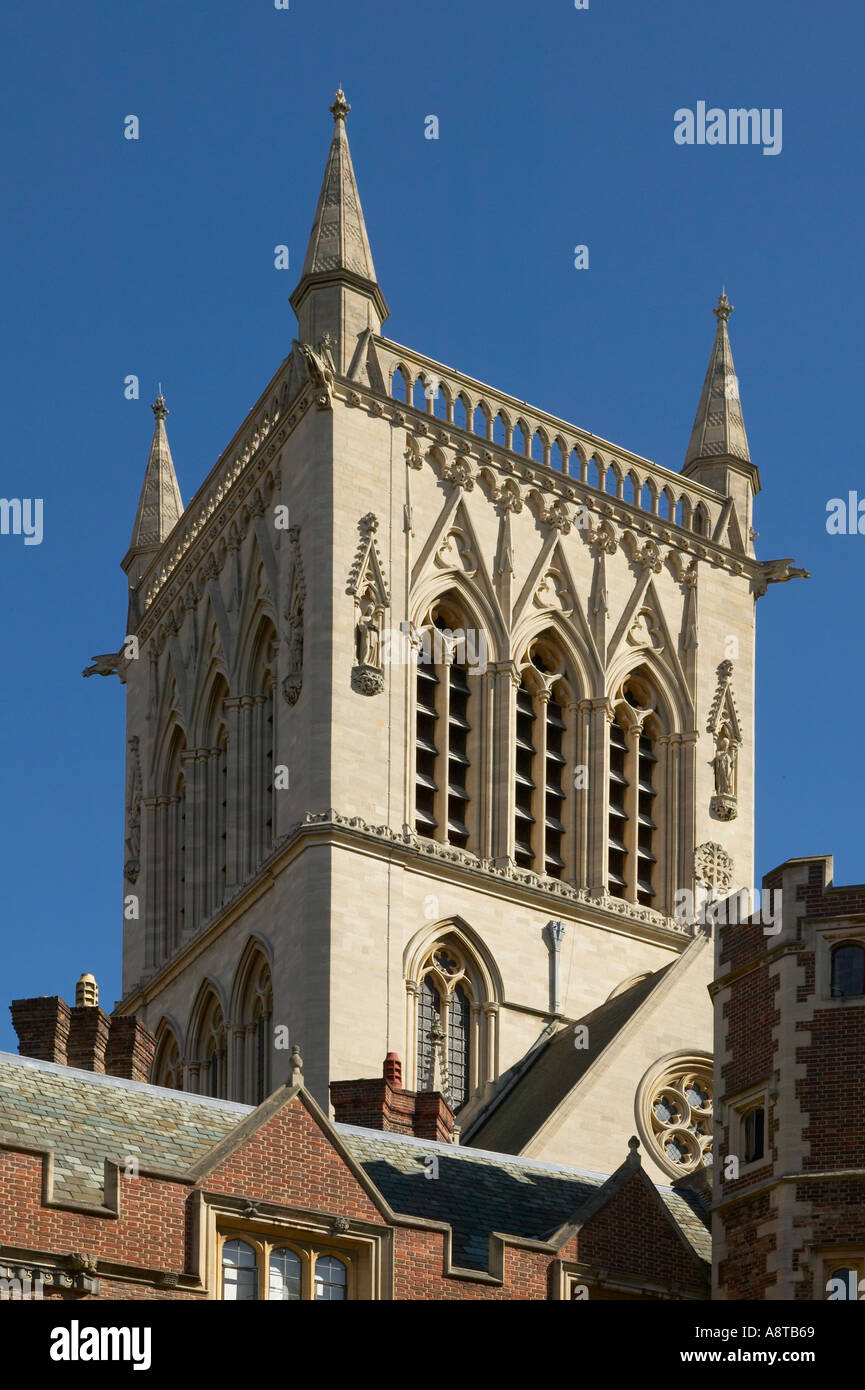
552, 487
609, 913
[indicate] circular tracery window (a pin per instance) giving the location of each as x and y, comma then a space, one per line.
674, 1113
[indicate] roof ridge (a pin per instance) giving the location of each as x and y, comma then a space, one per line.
123, 1083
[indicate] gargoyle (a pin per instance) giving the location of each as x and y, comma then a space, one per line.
106, 665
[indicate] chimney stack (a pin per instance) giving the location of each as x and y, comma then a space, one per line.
83, 1036
381, 1103
42, 1026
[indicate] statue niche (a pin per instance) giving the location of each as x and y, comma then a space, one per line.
724, 803
371, 599
367, 674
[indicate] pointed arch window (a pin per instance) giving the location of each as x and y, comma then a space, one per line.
444, 1027
445, 736
214, 840
453, 994
167, 1067
208, 1071
545, 747
171, 852
257, 735
634, 802
252, 1012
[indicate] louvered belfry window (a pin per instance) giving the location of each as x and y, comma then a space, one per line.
525, 784
426, 750
443, 729
618, 814
543, 749
646, 827
633, 791
554, 792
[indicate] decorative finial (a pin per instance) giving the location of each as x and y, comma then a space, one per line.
340, 108
159, 408
633, 1154
295, 1067
724, 308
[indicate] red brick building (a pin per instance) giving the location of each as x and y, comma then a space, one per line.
789, 1199
111, 1188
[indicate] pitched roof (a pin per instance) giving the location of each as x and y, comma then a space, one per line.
160, 505
478, 1192
719, 430
86, 1117
517, 1113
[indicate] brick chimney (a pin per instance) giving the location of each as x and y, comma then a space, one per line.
130, 1049
89, 1027
42, 1026
381, 1103
83, 1036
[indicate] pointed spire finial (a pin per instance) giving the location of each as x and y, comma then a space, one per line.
340, 108
719, 430
338, 292
159, 505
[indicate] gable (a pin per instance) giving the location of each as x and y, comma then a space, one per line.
634, 1230
283, 1154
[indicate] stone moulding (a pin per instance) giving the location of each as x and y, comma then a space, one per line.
419, 848
552, 485
450, 854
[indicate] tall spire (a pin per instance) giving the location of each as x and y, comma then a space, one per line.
719, 430
338, 292
159, 505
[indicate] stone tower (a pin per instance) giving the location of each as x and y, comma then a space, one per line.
439, 704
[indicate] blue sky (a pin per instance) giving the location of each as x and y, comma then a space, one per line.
155, 257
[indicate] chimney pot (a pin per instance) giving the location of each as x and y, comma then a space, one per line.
86, 992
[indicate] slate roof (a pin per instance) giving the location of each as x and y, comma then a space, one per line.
85, 1118
515, 1115
478, 1192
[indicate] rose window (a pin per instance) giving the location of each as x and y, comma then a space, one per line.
674, 1107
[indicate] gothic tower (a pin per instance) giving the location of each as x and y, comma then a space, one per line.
441, 706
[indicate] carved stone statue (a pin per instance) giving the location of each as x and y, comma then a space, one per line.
725, 762
368, 634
